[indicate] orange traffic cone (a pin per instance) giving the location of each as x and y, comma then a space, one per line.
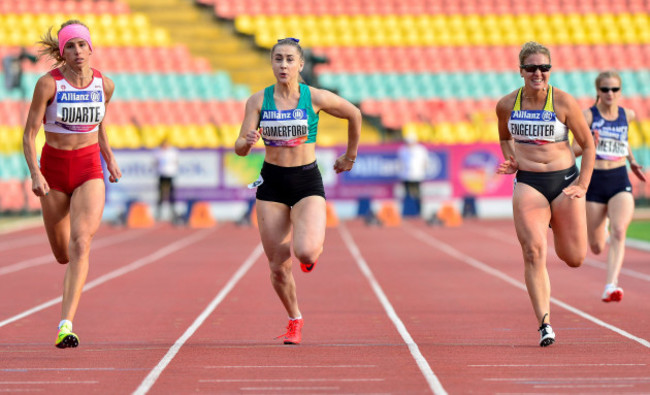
449, 216
388, 214
332, 217
139, 216
200, 216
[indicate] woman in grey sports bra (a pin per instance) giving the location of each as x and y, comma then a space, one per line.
533, 125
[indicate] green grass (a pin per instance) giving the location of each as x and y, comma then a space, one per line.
639, 230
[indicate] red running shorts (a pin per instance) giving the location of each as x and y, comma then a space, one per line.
65, 170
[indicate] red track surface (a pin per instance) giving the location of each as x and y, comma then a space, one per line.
413, 309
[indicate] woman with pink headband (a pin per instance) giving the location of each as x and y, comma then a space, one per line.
70, 102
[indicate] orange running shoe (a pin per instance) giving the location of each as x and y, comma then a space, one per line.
294, 332
307, 268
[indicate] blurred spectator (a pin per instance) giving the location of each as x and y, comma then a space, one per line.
167, 168
413, 159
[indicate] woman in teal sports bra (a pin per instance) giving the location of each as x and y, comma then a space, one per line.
290, 202
534, 122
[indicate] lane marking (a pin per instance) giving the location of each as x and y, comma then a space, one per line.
48, 382
52, 369
423, 364
570, 379
153, 375
430, 240
585, 386
507, 238
290, 388
22, 242
180, 244
289, 366
554, 365
287, 380
49, 258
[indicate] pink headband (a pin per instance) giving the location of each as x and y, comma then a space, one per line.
73, 31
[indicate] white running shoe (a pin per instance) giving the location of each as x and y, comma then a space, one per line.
547, 336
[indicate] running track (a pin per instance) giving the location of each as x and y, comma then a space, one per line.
405, 310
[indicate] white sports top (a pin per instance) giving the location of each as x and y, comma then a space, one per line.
75, 110
536, 126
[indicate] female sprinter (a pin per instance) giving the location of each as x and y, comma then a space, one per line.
290, 195
70, 101
610, 191
534, 122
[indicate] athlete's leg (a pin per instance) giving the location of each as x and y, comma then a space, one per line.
569, 224
531, 215
620, 210
274, 223
56, 218
86, 207
309, 217
596, 226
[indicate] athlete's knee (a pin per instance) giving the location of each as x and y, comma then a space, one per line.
61, 257
573, 258
308, 256
533, 252
597, 247
280, 269
617, 233
80, 245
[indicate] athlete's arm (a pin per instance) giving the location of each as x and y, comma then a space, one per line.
104, 146
576, 122
249, 134
637, 169
510, 165
43, 93
589, 118
340, 108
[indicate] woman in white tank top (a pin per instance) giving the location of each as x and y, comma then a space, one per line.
533, 123
70, 101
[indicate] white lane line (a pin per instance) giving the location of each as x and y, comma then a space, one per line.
288, 380
49, 258
430, 240
151, 378
585, 386
638, 244
52, 369
290, 388
554, 365
47, 382
161, 253
22, 242
538, 380
423, 364
289, 366
507, 238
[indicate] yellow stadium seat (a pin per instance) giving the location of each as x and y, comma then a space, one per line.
635, 135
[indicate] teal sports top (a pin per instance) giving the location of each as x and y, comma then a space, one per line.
288, 128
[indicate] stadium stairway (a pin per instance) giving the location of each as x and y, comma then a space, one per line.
216, 40
205, 37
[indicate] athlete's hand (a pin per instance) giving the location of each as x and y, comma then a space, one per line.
509, 166
342, 164
575, 191
40, 187
252, 136
637, 169
115, 171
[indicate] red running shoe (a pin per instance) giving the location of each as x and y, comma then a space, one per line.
307, 268
294, 332
612, 294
